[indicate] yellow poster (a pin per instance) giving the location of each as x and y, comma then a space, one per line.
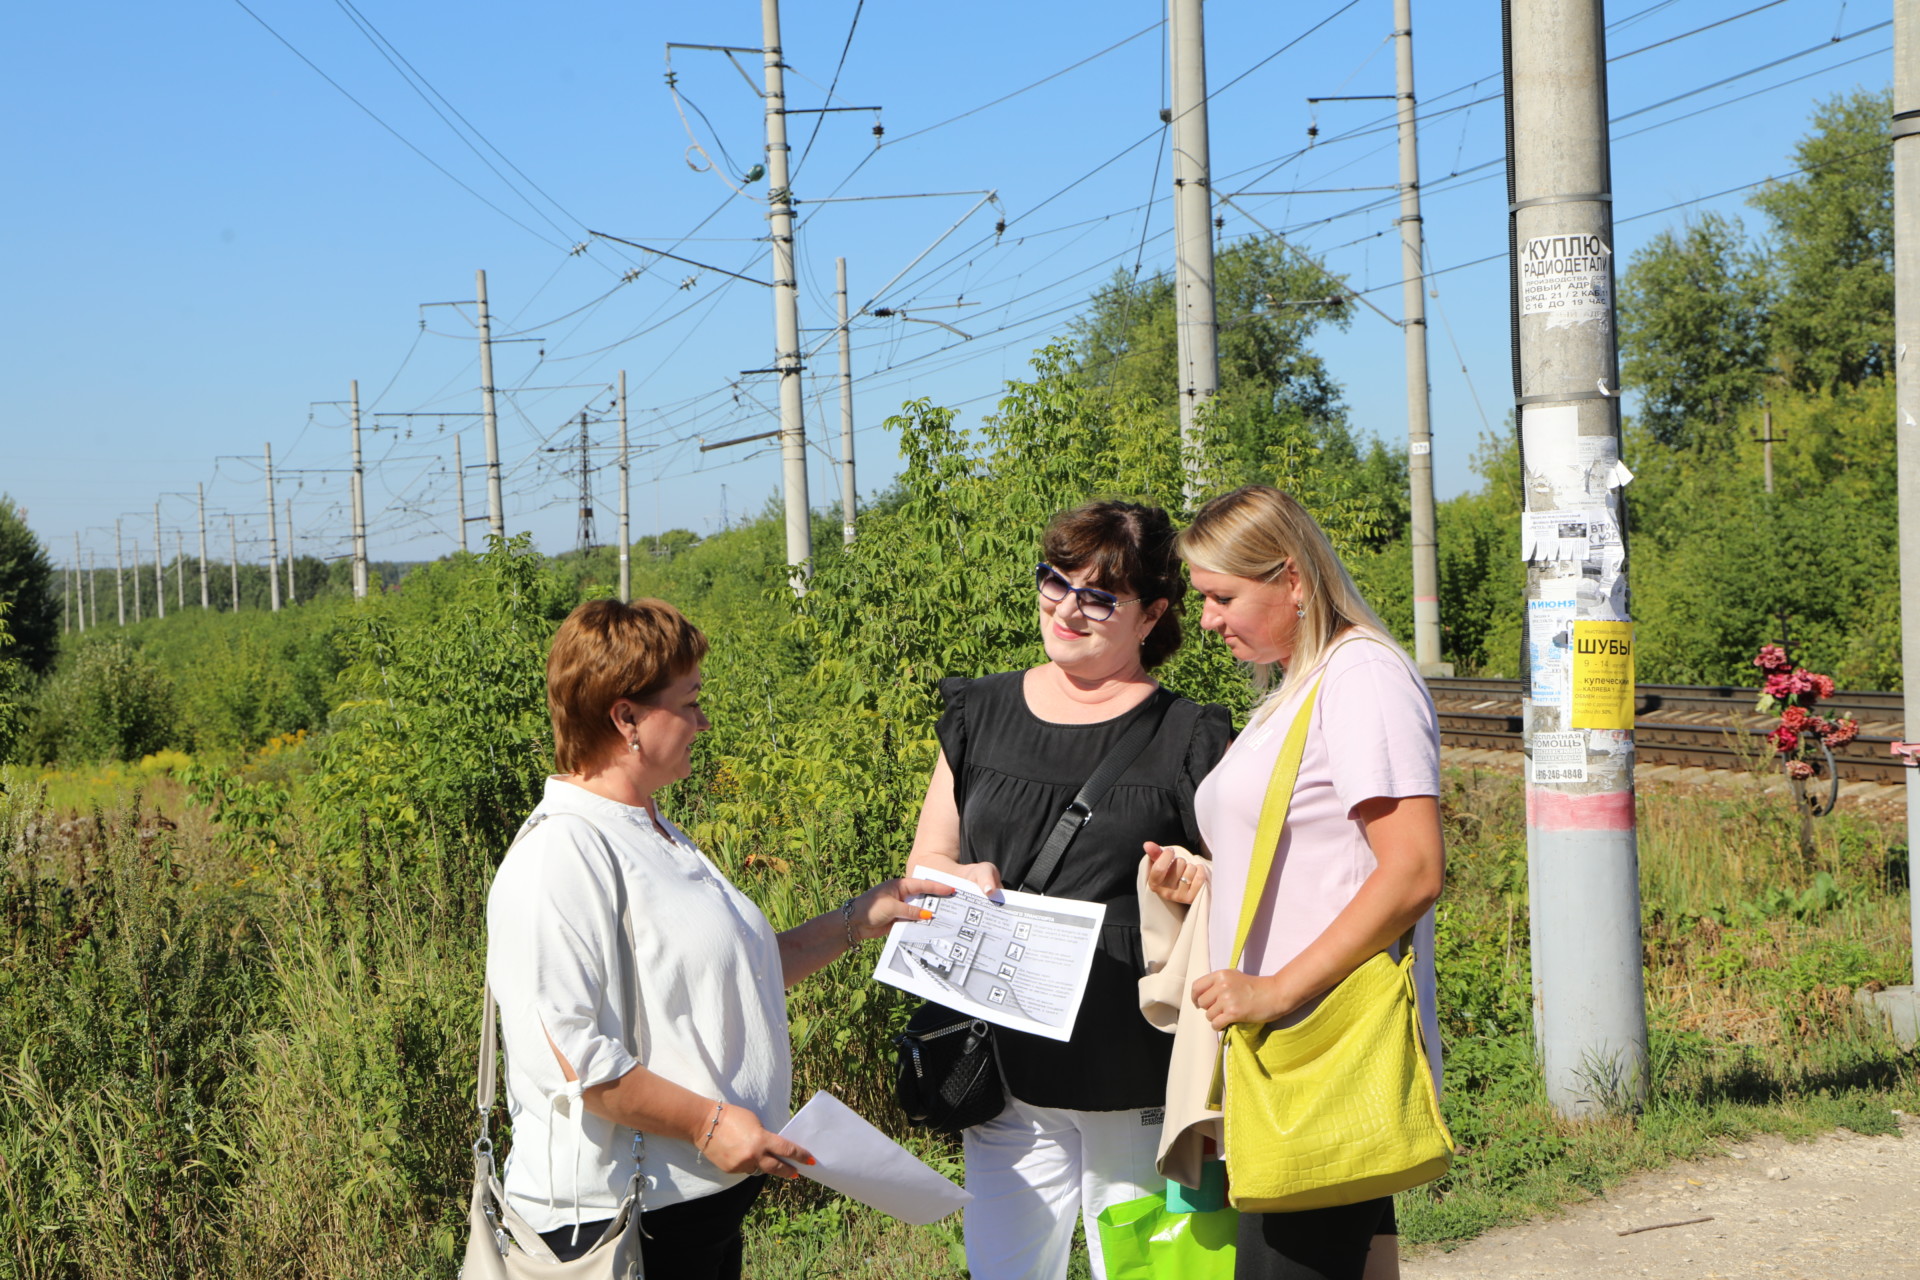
1602, 695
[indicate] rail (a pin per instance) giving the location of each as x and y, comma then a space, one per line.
1703, 726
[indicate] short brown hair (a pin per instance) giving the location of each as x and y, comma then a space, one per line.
606, 651
1129, 549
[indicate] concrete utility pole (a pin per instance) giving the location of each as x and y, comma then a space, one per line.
848, 497
205, 601
1196, 323
1903, 1004
233, 561
626, 529
93, 588
496, 508
786, 310
1413, 294
460, 491
159, 569
359, 505
180, 570
290, 595
1582, 852
273, 536
137, 566
119, 572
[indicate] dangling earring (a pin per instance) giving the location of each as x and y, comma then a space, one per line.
1300, 611
634, 745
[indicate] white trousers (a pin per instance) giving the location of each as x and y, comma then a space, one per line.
1033, 1170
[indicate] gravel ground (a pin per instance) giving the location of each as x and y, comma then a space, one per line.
1841, 1207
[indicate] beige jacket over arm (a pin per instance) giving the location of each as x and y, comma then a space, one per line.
1175, 942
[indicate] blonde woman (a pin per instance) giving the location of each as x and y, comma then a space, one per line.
1360, 860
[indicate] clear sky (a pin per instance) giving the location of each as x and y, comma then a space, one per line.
207, 240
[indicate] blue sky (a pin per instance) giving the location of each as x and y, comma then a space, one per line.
207, 240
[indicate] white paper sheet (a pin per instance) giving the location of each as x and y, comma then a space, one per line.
859, 1161
1020, 961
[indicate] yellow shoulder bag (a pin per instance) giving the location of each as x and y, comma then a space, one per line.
1339, 1108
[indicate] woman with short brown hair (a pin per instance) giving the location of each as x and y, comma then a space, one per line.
642, 996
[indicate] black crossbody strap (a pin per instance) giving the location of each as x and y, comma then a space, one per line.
1080, 810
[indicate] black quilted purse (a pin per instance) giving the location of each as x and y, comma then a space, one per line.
947, 1072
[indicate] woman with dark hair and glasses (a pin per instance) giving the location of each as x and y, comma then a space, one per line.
1082, 1123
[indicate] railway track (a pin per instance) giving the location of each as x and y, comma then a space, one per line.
1704, 726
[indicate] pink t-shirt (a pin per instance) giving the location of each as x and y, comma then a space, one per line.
1373, 733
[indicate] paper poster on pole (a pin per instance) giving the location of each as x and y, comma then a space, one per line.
1020, 960
1550, 639
1601, 694
1565, 278
1554, 535
1558, 758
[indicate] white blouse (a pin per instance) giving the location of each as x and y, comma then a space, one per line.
712, 1002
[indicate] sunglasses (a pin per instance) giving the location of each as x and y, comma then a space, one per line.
1095, 605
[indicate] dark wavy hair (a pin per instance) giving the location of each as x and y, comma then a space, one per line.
1129, 549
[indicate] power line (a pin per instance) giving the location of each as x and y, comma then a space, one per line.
400, 137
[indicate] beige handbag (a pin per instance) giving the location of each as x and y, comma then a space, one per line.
501, 1245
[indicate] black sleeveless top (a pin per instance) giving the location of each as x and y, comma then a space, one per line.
1013, 775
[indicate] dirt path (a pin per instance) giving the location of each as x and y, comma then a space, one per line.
1841, 1207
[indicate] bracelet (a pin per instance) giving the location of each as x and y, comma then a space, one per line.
701, 1146
846, 922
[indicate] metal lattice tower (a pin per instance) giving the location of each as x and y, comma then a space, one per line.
586, 490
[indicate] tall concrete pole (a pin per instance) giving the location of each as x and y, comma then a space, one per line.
1413, 294
290, 595
93, 588
136, 580
359, 505
848, 495
460, 491
119, 573
273, 536
1582, 851
1196, 328
205, 601
1906, 335
626, 525
159, 568
786, 310
233, 562
496, 507
180, 569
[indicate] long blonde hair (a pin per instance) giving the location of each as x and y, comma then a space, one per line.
1254, 532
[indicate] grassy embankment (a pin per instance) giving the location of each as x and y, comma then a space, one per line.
216, 1060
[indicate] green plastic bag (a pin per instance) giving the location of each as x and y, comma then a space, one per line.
1144, 1240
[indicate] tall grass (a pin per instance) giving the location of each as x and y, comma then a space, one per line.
209, 1067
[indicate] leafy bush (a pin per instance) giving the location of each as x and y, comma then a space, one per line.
107, 701
445, 724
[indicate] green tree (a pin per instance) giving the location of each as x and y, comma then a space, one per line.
27, 590
1274, 389
1693, 326
1832, 228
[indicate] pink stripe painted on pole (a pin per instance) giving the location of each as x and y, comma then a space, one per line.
1549, 810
